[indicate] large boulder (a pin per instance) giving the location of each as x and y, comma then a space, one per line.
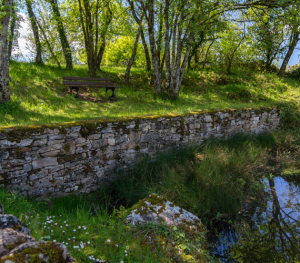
9, 239
18, 246
42, 252
157, 209
10, 221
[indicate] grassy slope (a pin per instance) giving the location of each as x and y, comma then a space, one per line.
39, 96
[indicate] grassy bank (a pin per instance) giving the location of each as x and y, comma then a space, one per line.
212, 181
39, 97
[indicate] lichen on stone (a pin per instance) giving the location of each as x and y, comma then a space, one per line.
157, 209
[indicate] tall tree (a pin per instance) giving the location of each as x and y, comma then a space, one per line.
95, 17
137, 20
293, 23
130, 63
293, 41
12, 27
5, 8
268, 31
35, 29
62, 34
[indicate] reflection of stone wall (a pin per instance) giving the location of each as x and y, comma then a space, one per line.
75, 157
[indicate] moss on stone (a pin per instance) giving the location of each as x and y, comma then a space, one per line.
142, 207
34, 171
88, 127
137, 148
66, 147
32, 254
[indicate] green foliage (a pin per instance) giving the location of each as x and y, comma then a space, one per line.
290, 115
294, 71
9, 107
118, 52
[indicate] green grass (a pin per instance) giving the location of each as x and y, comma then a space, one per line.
210, 181
39, 97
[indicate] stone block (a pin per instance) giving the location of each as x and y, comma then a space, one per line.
44, 162
111, 141
4, 155
39, 143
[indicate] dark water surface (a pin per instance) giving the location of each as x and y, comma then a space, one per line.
269, 232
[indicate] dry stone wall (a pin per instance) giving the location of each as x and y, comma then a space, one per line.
75, 157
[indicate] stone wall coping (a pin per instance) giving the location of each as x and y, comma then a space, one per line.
42, 127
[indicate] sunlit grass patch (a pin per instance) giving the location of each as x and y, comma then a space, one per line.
40, 97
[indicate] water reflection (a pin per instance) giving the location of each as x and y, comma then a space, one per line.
272, 234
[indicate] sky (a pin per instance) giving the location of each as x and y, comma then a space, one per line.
24, 30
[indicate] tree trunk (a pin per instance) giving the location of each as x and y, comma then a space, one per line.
4, 62
48, 43
148, 60
292, 45
155, 58
181, 70
147, 55
62, 35
93, 36
38, 57
230, 56
206, 54
11, 31
130, 63
167, 46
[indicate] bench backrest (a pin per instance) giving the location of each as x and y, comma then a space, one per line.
87, 79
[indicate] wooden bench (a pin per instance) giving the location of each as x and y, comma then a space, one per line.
77, 82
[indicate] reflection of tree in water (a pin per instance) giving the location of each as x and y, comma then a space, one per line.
275, 237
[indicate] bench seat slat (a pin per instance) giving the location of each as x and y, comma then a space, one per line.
85, 78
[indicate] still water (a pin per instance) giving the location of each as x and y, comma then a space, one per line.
267, 232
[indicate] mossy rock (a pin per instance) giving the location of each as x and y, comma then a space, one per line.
10, 221
38, 252
157, 209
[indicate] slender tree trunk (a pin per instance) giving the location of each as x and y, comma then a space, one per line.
292, 45
11, 31
160, 33
206, 54
62, 35
130, 63
163, 62
4, 62
93, 36
167, 46
48, 43
196, 57
146, 50
230, 57
181, 70
108, 19
147, 55
38, 57
155, 58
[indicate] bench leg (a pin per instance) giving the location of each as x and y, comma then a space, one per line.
113, 91
77, 89
77, 95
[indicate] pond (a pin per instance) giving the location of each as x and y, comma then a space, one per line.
267, 232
